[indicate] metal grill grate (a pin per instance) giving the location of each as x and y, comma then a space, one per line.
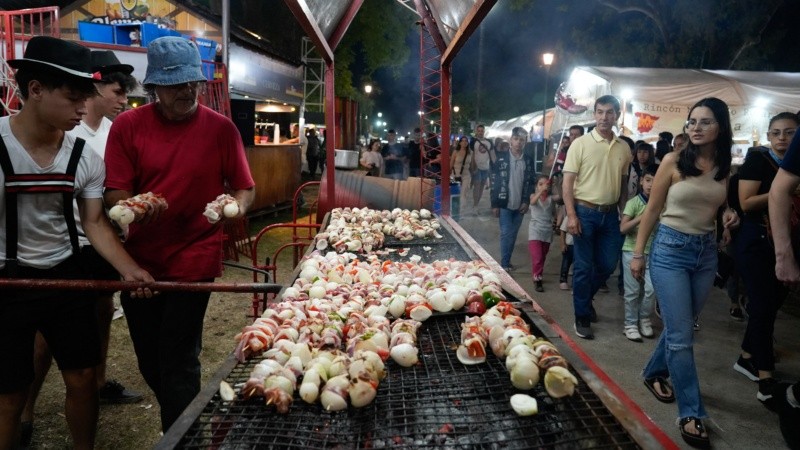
439, 403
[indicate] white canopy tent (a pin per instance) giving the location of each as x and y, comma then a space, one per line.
656, 100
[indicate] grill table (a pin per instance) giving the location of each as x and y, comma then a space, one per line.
438, 403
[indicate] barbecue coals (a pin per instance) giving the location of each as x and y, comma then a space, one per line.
331, 328
364, 229
135, 208
526, 356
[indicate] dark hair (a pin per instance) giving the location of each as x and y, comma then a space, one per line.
662, 148
784, 116
52, 79
369, 147
724, 142
651, 170
577, 127
126, 82
628, 141
608, 100
650, 152
391, 131
480, 125
542, 176
462, 138
666, 136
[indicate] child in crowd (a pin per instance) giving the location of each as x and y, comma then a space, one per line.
639, 295
540, 228
566, 254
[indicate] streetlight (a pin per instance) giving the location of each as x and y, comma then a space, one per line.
380, 114
368, 88
456, 109
547, 59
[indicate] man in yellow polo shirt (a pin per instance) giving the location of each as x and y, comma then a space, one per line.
595, 174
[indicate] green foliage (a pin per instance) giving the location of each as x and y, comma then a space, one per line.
375, 39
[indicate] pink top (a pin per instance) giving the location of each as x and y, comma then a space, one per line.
189, 163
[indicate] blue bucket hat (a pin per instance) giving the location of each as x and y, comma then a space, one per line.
172, 60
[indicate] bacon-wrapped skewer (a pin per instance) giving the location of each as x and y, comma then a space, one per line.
134, 208
223, 205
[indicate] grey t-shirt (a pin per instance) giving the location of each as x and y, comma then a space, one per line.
516, 178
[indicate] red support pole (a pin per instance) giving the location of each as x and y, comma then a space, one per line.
330, 137
445, 164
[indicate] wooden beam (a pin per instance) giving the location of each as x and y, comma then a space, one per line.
344, 23
302, 13
468, 26
430, 24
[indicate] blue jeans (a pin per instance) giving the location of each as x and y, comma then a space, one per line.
639, 295
682, 267
596, 252
510, 221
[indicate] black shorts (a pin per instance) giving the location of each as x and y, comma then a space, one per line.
95, 267
66, 319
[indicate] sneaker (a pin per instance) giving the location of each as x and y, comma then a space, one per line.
769, 392
583, 329
593, 317
696, 326
539, 287
646, 328
789, 417
604, 288
509, 268
745, 367
736, 314
118, 313
563, 286
114, 392
632, 333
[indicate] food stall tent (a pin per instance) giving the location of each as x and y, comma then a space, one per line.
657, 100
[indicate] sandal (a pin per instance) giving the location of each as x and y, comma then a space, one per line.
695, 440
664, 385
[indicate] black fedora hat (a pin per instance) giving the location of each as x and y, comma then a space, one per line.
68, 57
105, 62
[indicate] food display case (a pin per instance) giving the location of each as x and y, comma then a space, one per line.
438, 402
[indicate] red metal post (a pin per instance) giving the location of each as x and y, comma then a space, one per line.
330, 137
445, 165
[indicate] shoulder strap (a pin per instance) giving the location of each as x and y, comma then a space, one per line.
12, 222
68, 197
769, 159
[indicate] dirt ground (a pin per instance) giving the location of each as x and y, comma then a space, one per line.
137, 426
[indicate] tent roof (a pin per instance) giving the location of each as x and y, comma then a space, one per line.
781, 90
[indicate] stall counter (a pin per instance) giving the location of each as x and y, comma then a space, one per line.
276, 172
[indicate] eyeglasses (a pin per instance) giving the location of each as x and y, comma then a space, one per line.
703, 124
778, 133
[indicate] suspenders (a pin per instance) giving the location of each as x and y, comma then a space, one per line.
22, 184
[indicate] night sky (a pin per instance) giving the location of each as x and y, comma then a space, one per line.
513, 42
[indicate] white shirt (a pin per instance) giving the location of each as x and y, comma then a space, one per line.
43, 235
96, 140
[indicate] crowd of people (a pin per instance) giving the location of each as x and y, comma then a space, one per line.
63, 162
668, 214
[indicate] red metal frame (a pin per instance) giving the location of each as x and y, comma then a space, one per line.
216, 96
21, 25
430, 77
302, 236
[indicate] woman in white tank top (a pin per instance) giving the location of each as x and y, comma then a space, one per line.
688, 189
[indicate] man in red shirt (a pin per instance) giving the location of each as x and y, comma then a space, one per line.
189, 154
